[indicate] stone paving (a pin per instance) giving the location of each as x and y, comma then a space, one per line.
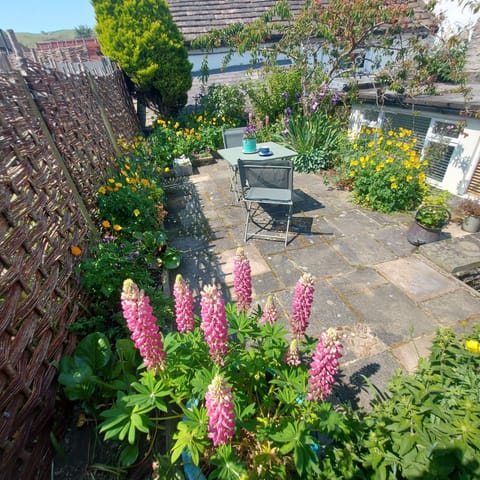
386, 296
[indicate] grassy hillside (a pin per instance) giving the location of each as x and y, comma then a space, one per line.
30, 39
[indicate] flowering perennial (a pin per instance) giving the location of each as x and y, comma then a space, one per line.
183, 305
302, 304
292, 357
214, 323
324, 365
220, 411
146, 336
270, 314
242, 280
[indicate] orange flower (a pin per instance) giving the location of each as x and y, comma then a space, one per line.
106, 224
75, 250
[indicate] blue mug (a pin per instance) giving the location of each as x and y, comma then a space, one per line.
264, 150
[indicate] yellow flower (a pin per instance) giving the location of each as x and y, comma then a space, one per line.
106, 224
75, 250
118, 184
352, 173
102, 190
111, 180
472, 346
394, 186
136, 212
409, 178
393, 178
354, 163
145, 182
117, 227
176, 125
166, 169
370, 144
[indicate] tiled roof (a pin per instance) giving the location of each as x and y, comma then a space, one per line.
196, 17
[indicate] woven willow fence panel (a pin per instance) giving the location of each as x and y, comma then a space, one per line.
41, 216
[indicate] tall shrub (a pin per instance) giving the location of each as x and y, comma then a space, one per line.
141, 36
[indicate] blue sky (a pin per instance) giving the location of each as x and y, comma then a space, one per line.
35, 16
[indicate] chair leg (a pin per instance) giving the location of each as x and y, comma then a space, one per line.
289, 216
248, 205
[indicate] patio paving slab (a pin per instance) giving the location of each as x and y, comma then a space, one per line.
417, 279
390, 314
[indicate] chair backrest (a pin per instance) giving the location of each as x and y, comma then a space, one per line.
232, 137
277, 174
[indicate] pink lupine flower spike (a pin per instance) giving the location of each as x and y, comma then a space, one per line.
220, 411
242, 281
214, 323
146, 335
183, 306
302, 305
324, 365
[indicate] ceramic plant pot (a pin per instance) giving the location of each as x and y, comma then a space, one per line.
249, 145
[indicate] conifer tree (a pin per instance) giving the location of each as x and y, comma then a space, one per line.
142, 38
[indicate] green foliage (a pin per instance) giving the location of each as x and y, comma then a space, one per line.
224, 101
433, 213
430, 427
142, 37
95, 373
317, 137
279, 90
83, 31
445, 63
387, 172
190, 135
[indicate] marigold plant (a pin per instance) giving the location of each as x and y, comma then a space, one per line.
387, 172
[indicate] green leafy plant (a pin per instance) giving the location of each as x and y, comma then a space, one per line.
387, 173
224, 101
433, 213
95, 372
317, 137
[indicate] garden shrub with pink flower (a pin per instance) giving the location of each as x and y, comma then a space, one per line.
386, 171
249, 397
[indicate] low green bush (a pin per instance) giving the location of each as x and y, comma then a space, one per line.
386, 171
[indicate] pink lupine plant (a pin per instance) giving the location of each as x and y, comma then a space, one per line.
183, 305
292, 357
220, 411
270, 314
146, 335
242, 281
214, 323
302, 305
324, 365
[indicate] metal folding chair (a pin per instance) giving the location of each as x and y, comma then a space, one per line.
266, 182
232, 137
